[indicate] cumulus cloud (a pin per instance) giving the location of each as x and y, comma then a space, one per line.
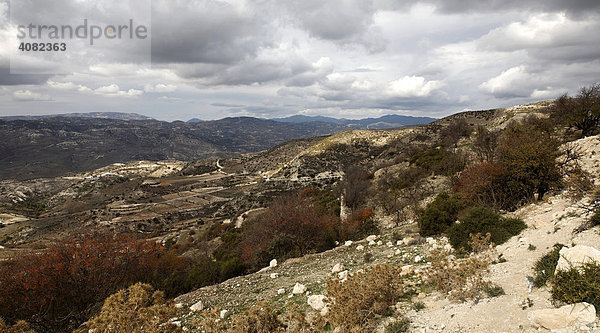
29, 96
113, 90
412, 86
160, 88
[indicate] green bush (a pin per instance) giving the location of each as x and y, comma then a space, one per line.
595, 219
578, 284
440, 214
483, 220
545, 266
439, 161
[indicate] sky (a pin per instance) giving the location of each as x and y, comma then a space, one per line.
211, 59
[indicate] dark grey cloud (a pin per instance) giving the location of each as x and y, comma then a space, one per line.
206, 31
7, 79
574, 7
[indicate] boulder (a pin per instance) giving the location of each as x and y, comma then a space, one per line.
565, 316
274, 275
317, 302
299, 288
348, 243
343, 275
198, 306
273, 263
337, 268
576, 255
360, 247
371, 238
408, 241
224, 314
280, 291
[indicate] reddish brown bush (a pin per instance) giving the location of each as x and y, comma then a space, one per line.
481, 184
358, 225
293, 225
59, 288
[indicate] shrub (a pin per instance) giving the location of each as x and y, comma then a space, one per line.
485, 144
545, 266
578, 284
462, 279
358, 225
260, 318
440, 214
451, 134
293, 225
59, 288
354, 186
483, 220
581, 112
483, 184
20, 326
355, 302
595, 219
137, 309
528, 152
400, 326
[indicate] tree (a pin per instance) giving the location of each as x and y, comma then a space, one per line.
528, 152
354, 186
485, 143
581, 112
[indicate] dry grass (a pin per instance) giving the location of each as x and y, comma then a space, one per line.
462, 279
356, 302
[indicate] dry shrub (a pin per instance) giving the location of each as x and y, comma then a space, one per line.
260, 318
210, 322
358, 225
136, 309
20, 326
355, 303
463, 279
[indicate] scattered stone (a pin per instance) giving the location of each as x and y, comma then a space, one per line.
408, 269
418, 258
343, 275
176, 323
337, 268
360, 248
575, 256
399, 242
198, 306
348, 243
299, 288
390, 244
317, 302
224, 314
179, 305
274, 275
430, 240
448, 248
379, 243
398, 252
280, 291
372, 243
371, 238
408, 241
565, 316
273, 263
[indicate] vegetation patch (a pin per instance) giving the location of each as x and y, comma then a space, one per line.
578, 284
544, 268
440, 214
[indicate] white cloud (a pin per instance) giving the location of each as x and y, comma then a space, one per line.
68, 86
509, 83
412, 86
113, 90
160, 88
29, 96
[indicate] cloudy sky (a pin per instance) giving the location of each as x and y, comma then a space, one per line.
270, 58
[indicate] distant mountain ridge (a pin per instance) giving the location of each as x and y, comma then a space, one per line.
387, 121
99, 115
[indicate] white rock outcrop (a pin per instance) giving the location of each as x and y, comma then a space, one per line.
337, 268
371, 238
198, 306
299, 288
317, 302
273, 263
565, 316
576, 255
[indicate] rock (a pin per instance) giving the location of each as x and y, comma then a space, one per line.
371, 243
390, 244
176, 323
337, 268
399, 242
418, 258
299, 288
198, 306
379, 243
274, 275
576, 256
408, 241
565, 316
280, 291
448, 248
430, 240
343, 275
408, 269
317, 302
179, 305
273, 263
348, 243
398, 252
360, 248
224, 314
371, 238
